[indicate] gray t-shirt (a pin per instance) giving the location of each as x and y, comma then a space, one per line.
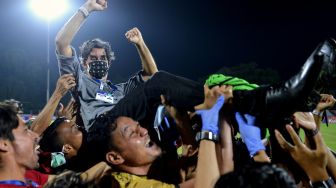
87, 88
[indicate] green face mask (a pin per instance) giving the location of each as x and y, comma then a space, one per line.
57, 159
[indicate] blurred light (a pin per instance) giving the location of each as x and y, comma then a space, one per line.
49, 9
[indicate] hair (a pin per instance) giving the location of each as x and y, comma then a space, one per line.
88, 45
50, 140
8, 121
100, 137
17, 105
255, 176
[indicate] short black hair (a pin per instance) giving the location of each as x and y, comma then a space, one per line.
100, 139
18, 106
88, 45
50, 140
8, 121
257, 175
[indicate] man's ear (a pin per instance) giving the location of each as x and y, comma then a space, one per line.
4, 145
114, 158
67, 148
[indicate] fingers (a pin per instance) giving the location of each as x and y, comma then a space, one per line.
250, 119
320, 145
68, 80
70, 104
134, 32
61, 107
239, 118
226, 90
282, 142
293, 135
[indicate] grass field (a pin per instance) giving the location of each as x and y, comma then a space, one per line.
329, 135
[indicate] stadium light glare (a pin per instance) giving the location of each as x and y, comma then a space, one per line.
49, 9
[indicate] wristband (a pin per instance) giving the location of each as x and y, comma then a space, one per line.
317, 113
84, 11
323, 184
206, 135
311, 133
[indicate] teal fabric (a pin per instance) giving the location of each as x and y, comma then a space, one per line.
57, 159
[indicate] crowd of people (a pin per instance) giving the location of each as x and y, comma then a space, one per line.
162, 130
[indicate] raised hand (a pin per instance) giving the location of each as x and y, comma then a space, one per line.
134, 36
305, 120
65, 83
210, 116
95, 5
327, 101
68, 111
313, 162
250, 133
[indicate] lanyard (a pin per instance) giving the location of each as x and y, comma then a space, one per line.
19, 183
13, 182
101, 87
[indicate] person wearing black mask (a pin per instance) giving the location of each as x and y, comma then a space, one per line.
93, 91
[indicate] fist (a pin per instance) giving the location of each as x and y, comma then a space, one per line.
134, 36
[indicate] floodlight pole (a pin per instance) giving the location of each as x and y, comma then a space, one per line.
48, 59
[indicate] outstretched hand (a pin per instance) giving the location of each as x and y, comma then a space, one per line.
314, 162
134, 36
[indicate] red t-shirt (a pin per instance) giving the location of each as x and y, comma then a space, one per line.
34, 179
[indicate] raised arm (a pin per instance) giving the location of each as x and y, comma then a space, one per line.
42, 121
65, 36
147, 60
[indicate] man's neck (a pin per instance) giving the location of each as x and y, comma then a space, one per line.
141, 170
12, 172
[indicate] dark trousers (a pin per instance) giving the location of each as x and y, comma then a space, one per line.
142, 102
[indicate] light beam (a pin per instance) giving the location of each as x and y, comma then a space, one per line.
49, 9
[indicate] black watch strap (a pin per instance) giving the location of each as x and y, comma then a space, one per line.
206, 135
323, 184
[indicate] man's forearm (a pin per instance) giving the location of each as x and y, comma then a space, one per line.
65, 36
147, 60
44, 118
207, 171
331, 166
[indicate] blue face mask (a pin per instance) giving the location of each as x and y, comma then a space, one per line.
98, 69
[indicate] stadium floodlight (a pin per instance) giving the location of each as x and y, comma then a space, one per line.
49, 9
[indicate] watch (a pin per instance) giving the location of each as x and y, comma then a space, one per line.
206, 135
323, 184
317, 113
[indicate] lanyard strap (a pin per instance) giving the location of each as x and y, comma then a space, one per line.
19, 183
13, 182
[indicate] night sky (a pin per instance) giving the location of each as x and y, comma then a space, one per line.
188, 38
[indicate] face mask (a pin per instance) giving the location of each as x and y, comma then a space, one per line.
57, 159
98, 69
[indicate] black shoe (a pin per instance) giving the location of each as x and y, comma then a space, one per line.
282, 100
327, 80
